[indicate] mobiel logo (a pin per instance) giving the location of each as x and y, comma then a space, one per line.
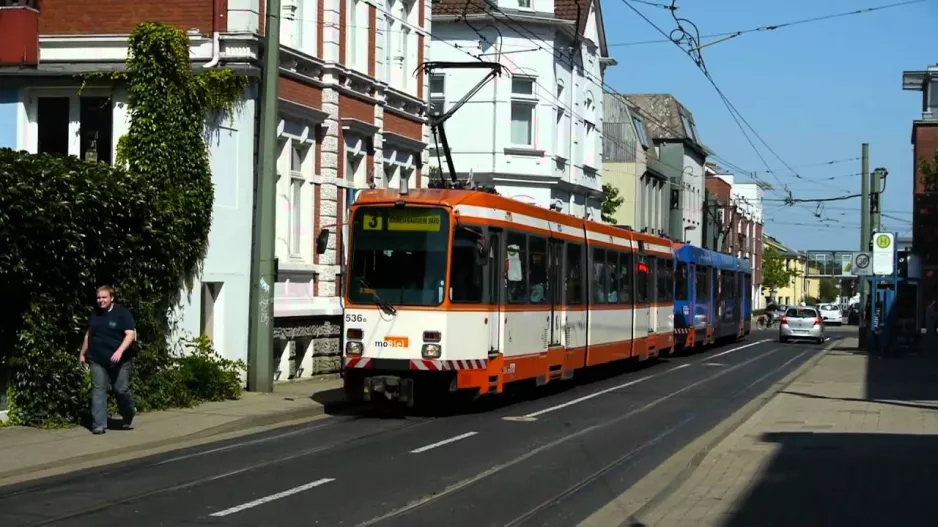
393, 342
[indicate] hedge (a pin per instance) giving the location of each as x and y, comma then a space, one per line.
68, 226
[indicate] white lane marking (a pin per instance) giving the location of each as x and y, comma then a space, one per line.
533, 415
531, 453
727, 352
443, 442
272, 497
603, 392
714, 364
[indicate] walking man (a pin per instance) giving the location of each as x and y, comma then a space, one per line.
111, 331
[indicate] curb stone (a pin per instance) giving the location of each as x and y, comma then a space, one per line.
643, 497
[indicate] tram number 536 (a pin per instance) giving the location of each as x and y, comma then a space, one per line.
354, 317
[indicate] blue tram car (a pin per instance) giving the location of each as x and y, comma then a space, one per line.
712, 297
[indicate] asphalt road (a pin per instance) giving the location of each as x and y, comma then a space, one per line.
551, 459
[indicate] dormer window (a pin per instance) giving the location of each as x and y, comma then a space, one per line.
524, 4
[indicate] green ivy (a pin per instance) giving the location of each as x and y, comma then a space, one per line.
67, 226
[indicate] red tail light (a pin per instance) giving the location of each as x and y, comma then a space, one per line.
432, 336
784, 320
354, 333
817, 321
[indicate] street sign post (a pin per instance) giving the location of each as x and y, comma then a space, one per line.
884, 253
861, 264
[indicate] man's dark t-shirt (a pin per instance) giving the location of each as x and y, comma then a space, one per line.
107, 333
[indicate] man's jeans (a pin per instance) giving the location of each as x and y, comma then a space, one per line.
118, 378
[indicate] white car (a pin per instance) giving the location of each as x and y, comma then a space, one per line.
831, 314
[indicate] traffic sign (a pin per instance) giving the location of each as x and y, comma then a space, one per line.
884, 253
861, 264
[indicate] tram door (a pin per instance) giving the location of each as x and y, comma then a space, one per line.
555, 280
496, 279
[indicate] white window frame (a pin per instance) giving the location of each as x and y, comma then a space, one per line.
31, 98
389, 24
438, 97
526, 101
356, 36
526, 5
299, 152
291, 24
295, 230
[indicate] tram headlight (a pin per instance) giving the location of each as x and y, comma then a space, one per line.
353, 348
431, 351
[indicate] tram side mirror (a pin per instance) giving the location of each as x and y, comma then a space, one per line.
482, 252
322, 241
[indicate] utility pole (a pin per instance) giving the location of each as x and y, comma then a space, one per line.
263, 262
866, 235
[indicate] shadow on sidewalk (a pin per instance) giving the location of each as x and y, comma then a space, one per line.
855, 479
844, 479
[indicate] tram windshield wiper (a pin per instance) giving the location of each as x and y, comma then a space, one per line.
383, 304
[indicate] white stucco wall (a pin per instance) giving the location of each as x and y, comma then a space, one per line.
560, 157
694, 181
228, 262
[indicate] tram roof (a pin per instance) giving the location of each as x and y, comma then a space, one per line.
452, 198
706, 257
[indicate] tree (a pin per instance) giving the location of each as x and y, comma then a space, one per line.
827, 290
775, 274
611, 203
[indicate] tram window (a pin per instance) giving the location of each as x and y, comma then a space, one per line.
728, 284
625, 278
680, 281
516, 252
574, 274
664, 280
747, 287
612, 277
465, 274
703, 285
642, 278
537, 270
598, 276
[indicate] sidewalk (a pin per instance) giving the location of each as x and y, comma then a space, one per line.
849, 440
30, 453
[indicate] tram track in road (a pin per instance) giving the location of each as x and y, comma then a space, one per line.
416, 505
79, 482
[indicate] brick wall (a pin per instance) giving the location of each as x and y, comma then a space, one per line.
96, 17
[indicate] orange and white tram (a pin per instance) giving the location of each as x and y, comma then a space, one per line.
470, 291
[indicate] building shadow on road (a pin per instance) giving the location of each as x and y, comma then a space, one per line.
857, 479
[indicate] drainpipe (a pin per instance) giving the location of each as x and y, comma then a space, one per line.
216, 47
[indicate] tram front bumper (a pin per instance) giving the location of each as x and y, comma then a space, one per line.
389, 388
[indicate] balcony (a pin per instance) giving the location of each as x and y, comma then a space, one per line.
19, 25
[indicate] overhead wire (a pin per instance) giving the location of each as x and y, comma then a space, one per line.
774, 27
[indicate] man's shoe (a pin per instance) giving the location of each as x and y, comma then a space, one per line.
98, 431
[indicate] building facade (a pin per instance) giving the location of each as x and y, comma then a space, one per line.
351, 116
682, 153
925, 196
735, 225
534, 132
630, 164
800, 287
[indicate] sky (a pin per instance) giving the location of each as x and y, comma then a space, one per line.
814, 92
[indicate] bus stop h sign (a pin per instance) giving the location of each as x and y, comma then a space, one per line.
884, 253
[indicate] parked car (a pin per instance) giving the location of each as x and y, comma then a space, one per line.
831, 314
801, 323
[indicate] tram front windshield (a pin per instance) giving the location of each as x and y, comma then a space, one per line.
398, 255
